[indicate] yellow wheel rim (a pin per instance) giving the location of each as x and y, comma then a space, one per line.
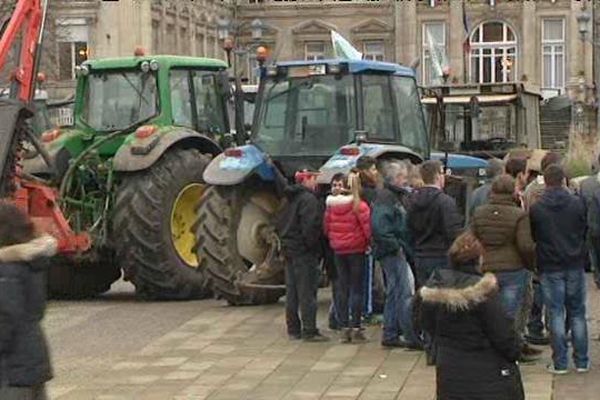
183, 215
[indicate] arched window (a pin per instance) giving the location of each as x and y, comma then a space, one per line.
493, 53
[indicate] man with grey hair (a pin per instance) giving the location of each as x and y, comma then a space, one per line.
391, 246
480, 195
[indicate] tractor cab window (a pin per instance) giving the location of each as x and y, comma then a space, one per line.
378, 107
181, 99
208, 104
117, 100
309, 115
413, 133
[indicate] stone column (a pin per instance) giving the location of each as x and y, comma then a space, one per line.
455, 33
405, 31
528, 45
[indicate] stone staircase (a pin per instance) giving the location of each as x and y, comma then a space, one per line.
555, 122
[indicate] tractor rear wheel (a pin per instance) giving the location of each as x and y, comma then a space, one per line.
69, 279
221, 222
152, 227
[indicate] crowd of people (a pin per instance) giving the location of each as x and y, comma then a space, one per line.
476, 297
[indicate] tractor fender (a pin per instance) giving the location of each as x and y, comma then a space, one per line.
235, 165
137, 154
343, 161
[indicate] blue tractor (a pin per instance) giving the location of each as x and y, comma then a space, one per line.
310, 114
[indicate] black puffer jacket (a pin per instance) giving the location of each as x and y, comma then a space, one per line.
300, 223
24, 357
558, 227
476, 346
433, 222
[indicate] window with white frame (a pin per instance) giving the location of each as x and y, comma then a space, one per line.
553, 53
314, 51
374, 50
493, 53
433, 33
72, 45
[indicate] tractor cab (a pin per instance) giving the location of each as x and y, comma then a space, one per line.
483, 120
308, 110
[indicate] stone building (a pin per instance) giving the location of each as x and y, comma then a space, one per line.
482, 40
99, 29
479, 40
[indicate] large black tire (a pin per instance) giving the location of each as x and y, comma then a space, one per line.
218, 218
141, 228
68, 279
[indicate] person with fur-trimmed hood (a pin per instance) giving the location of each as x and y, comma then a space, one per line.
477, 347
24, 356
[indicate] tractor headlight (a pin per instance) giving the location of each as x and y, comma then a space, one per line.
154, 65
145, 67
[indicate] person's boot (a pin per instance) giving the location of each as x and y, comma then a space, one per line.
358, 336
346, 335
317, 337
529, 354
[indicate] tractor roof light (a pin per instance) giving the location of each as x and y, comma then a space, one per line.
82, 70
145, 131
145, 67
51, 135
154, 65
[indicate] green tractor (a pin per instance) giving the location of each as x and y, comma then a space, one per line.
129, 172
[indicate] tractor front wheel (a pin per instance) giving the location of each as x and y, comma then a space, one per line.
152, 227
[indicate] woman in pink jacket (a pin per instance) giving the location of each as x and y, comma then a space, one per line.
348, 227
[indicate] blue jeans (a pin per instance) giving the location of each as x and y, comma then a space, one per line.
513, 288
349, 297
397, 313
566, 290
368, 285
535, 327
424, 267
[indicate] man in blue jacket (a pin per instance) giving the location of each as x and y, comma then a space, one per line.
390, 240
558, 225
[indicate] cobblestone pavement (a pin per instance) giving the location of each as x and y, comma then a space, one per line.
117, 348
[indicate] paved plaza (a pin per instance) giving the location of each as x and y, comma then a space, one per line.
118, 348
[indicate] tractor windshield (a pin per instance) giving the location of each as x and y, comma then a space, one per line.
117, 100
306, 116
316, 115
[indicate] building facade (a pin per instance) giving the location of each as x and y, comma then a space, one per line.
478, 40
473, 40
97, 29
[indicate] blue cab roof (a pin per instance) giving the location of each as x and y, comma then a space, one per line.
355, 66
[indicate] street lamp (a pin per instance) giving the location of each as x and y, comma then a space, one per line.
229, 32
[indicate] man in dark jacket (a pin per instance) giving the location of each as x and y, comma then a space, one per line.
433, 222
390, 240
590, 192
369, 177
299, 226
24, 357
558, 225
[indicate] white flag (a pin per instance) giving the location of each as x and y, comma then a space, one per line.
343, 49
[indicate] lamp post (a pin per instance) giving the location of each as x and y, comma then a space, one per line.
229, 32
583, 24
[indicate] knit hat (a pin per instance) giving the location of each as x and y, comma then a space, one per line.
466, 248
